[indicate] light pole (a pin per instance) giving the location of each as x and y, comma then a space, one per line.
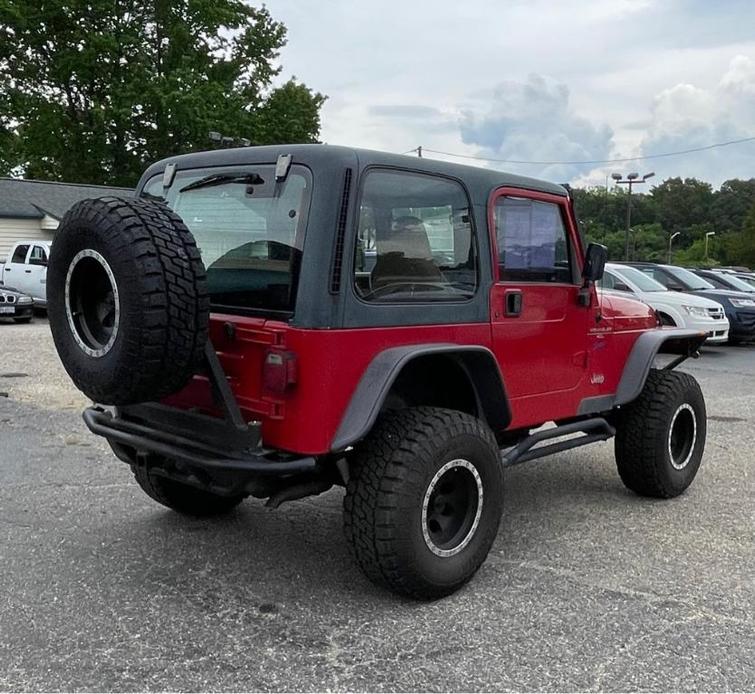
670, 239
630, 180
707, 236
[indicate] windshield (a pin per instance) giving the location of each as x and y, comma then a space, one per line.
249, 230
689, 279
640, 279
738, 283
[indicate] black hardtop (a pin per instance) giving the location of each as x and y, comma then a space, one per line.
479, 181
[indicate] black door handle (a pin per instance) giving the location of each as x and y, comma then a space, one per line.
513, 302
27, 271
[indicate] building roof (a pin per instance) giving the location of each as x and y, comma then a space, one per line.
21, 198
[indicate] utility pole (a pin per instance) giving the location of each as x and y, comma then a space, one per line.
630, 180
419, 151
670, 239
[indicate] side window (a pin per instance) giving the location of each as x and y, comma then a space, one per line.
19, 255
532, 241
415, 240
608, 281
611, 281
716, 282
38, 256
658, 275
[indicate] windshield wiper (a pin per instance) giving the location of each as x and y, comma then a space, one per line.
220, 179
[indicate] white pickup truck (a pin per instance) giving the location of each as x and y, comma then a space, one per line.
25, 269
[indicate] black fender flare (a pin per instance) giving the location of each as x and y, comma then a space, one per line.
637, 367
478, 362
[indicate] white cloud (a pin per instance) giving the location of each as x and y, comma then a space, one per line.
533, 120
620, 77
686, 116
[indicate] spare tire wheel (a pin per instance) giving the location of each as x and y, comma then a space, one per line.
127, 300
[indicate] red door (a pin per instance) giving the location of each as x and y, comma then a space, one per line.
539, 328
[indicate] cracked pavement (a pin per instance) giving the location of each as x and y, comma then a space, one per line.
588, 587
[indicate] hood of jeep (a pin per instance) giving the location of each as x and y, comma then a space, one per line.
625, 313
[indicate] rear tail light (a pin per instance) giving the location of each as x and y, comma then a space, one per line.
279, 372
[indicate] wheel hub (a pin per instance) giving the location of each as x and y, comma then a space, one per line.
92, 303
452, 507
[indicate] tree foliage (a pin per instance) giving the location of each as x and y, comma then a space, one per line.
687, 206
96, 89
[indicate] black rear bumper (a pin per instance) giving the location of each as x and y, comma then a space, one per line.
190, 438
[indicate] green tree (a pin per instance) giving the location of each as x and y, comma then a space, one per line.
731, 203
744, 250
680, 204
95, 89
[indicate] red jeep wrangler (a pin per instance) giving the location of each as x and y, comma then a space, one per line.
273, 321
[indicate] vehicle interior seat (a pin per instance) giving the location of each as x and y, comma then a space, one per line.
404, 255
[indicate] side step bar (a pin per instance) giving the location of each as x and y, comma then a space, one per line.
594, 429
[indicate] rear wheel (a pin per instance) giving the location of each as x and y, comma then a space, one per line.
660, 436
183, 498
424, 502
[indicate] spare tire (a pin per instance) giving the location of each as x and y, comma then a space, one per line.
127, 300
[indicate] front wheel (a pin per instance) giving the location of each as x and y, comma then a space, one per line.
424, 502
660, 436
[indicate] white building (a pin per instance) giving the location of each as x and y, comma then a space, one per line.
33, 209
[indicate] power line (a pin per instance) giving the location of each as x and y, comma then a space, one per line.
589, 161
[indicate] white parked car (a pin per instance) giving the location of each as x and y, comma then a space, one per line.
674, 308
26, 269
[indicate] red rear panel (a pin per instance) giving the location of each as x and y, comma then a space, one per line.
329, 365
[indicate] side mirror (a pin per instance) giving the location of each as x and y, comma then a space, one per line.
596, 257
621, 287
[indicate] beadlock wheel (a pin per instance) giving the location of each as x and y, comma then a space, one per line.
660, 436
452, 508
424, 500
127, 300
682, 436
92, 303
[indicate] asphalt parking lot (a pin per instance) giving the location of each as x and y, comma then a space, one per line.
588, 587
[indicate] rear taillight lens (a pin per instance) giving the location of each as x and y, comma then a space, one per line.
279, 371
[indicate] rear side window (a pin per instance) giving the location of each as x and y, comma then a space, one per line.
19, 255
38, 256
415, 240
533, 245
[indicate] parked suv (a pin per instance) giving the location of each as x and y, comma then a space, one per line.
673, 308
231, 320
739, 306
725, 280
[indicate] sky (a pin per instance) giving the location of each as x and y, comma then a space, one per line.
533, 80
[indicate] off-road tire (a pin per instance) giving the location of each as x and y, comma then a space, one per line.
643, 445
160, 291
183, 498
383, 508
